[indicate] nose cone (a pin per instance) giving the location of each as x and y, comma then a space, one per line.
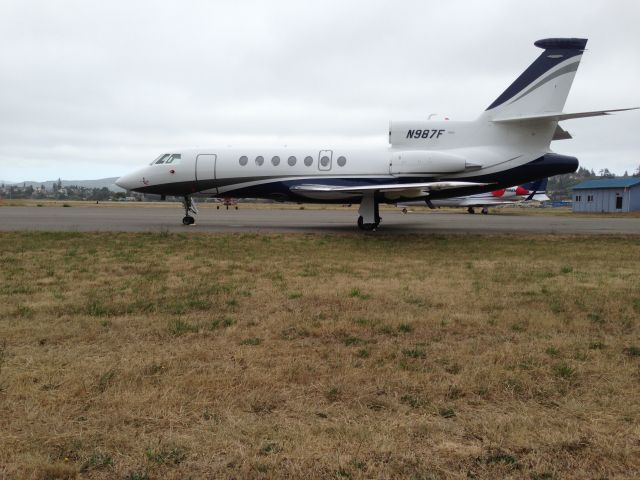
127, 182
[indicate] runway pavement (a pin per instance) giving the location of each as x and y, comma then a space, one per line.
248, 219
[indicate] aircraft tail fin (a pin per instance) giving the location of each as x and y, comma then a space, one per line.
544, 86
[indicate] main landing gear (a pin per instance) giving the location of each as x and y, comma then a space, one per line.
485, 210
189, 207
369, 214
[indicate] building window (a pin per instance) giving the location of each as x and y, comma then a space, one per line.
589, 198
259, 160
291, 161
578, 198
275, 161
243, 160
308, 161
342, 161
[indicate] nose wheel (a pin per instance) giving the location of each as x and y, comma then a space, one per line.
189, 207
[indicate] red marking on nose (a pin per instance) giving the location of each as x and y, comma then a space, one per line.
522, 191
498, 193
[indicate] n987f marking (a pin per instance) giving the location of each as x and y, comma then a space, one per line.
424, 133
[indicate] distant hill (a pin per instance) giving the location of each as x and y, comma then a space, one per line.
110, 183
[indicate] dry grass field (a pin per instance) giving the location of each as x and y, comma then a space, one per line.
151, 356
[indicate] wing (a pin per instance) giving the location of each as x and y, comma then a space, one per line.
397, 189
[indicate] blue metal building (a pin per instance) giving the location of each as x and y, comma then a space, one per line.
607, 195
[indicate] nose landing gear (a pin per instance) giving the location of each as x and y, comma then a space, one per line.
189, 207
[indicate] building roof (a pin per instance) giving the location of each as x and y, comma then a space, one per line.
608, 183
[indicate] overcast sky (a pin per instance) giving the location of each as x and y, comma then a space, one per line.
92, 89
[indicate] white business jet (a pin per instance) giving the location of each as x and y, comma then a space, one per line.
509, 144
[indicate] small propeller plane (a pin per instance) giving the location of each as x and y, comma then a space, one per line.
507, 145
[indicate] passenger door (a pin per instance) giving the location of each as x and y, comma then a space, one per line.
205, 171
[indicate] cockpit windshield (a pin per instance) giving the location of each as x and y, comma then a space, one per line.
168, 158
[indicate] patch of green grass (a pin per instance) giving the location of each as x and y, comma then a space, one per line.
332, 394
251, 341
178, 327
565, 371
405, 328
632, 351
412, 400
446, 412
97, 461
363, 353
414, 353
553, 351
596, 318
137, 475
566, 269
105, 380
168, 456
295, 295
217, 323
351, 340
357, 293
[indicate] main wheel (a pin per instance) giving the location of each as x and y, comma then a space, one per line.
485, 211
471, 210
188, 220
366, 226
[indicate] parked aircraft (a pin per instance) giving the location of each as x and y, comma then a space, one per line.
509, 144
506, 196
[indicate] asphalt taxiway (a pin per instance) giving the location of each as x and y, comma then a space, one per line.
273, 220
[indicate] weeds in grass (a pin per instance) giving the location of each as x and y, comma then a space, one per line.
251, 341
446, 412
566, 269
105, 380
405, 328
97, 461
565, 371
414, 353
363, 353
357, 293
350, 340
217, 323
166, 456
332, 394
295, 295
178, 327
632, 351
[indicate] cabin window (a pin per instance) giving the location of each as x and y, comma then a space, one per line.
243, 160
324, 161
259, 160
342, 161
161, 159
174, 159
275, 161
308, 161
291, 161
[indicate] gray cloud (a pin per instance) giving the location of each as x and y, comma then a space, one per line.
90, 89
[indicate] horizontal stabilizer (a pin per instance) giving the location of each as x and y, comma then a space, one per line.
558, 116
410, 189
